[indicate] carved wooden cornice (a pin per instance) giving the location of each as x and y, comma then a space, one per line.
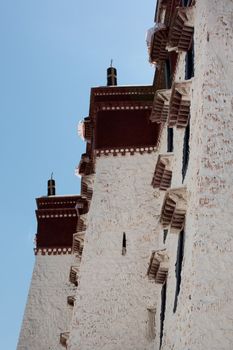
180, 101
158, 266
78, 242
163, 172
161, 106
174, 209
74, 270
181, 28
158, 51
53, 251
81, 226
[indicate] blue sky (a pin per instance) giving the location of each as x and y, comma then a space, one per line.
52, 53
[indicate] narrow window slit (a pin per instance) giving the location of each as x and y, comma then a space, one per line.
124, 244
179, 261
162, 313
169, 139
189, 63
185, 151
165, 232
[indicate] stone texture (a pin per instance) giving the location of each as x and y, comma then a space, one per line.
203, 319
114, 291
47, 313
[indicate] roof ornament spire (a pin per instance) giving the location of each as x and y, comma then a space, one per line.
111, 75
51, 186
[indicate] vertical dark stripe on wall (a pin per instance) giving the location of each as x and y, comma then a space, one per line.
189, 63
168, 78
185, 151
186, 3
165, 232
169, 139
179, 260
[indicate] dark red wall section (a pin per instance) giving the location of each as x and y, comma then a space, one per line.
55, 232
125, 128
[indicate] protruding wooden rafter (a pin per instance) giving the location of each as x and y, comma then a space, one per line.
86, 186
158, 51
163, 172
160, 108
158, 266
74, 270
78, 242
182, 27
170, 6
174, 209
180, 101
82, 220
86, 165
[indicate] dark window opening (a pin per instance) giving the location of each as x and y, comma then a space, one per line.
186, 3
165, 232
169, 139
185, 151
162, 313
189, 62
168, 78
124, 244
179, 260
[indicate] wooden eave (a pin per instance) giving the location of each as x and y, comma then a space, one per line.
170, 8
82, 207
161, 6
86, 165
50, 202
74, 270
78, 242
158, 51
86, 191
120, 98
56, 213
86, 188
182, 28
81, 226
174, 209
160, 108
180, 101
158, 266
130, 149
53, 251
163, 173
88, 129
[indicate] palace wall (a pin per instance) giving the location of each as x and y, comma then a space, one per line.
47, 307
114, 291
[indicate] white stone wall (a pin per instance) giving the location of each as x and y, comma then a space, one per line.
47, 313
114, 291
203, 319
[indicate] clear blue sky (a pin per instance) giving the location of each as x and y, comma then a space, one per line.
52, 53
